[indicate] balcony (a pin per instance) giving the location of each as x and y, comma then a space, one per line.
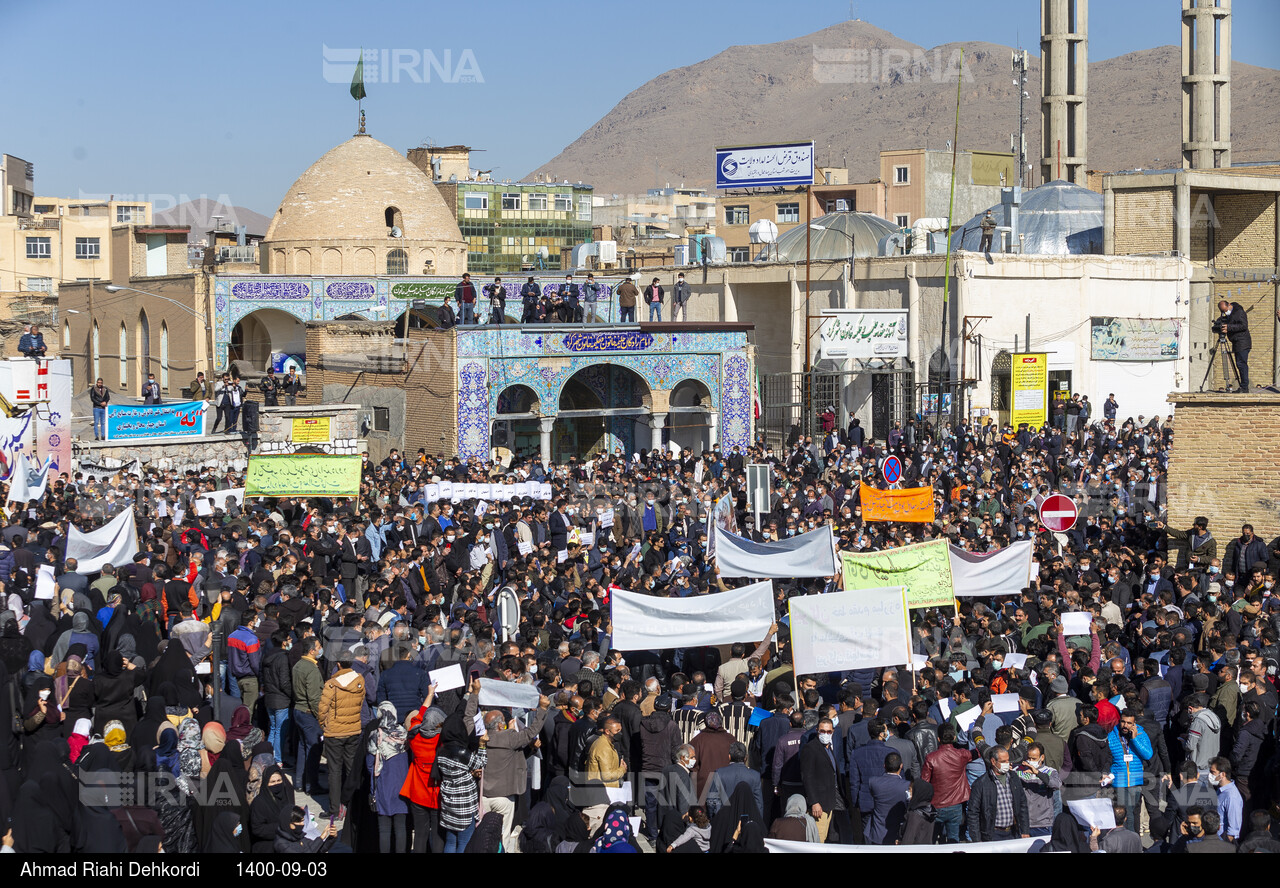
39, 223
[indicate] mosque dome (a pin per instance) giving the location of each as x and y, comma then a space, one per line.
832, 236
1055, 219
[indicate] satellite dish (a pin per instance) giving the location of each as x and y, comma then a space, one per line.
396, 232
543, 252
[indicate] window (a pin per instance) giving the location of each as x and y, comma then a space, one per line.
475, 200
164, 355
43, 208
511, 201
87, 248
382, 419
39, 247
40, 285
391, 215
902, 220
538, 203
739, 254
127, 215
564, 203
124, 357
737, 215
66, 334
397, 262
901, 175
789, 212
584, 209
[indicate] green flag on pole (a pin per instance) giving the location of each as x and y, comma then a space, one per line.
357, 82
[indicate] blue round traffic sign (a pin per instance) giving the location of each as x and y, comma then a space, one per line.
892, 469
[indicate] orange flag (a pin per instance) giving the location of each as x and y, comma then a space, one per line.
914, 505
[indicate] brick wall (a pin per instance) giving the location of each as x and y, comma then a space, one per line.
1144, 221
1246, 235
1225, 464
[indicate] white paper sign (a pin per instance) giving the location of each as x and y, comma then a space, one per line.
619, 794
1005, 703
944, 705
524, 548
965, 720
447, 678
508, 694
606, 518
1015, 661
859, 629
46, 585
1076, 623
587, 539
562, 556
1093, 812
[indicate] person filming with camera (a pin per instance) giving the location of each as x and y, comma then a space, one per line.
1233, 325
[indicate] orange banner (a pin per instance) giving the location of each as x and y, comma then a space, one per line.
914, 505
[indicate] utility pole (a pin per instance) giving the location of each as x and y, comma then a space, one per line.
1020, 82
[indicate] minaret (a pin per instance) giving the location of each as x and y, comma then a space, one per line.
1064, 84
1206, 84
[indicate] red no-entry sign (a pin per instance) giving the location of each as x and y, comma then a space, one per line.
1058, 513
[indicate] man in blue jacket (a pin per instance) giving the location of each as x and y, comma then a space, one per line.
865, 763
405, 684
32, 344
1130, 749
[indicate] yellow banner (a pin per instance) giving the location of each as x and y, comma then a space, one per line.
925, 569
303, 475
1030, 390
310, 429
912, 505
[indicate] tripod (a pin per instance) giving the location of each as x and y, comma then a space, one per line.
1229, 369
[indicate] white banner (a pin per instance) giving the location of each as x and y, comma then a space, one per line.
811, 554
508, 694
1004, 571
116, 542
210, 500
863, 334
1012, 846
27, 483
857, 629
646, 622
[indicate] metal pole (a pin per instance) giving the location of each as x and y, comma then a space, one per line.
805, 381
946, 270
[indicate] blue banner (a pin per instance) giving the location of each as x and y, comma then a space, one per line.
181, 419
763, 166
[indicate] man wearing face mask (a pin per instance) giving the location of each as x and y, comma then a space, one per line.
997, 802
818, 775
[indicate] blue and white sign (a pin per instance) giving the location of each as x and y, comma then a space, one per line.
181, 419
892, 470
762, 166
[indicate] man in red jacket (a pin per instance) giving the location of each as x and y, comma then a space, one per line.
944, 768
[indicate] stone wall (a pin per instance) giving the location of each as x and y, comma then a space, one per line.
1225, 464
1144, 221
220, 452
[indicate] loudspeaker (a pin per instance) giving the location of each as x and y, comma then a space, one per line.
249, 418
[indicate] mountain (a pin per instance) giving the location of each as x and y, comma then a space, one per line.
856, 90
199, 215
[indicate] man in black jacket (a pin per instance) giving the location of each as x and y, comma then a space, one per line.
1234, 324
277, 690
997, 802
818, 775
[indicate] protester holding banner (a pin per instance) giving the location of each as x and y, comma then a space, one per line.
934, 621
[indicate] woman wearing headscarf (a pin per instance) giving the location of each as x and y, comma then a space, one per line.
736, 828
225, 834
41, 627
74, 692
291, 838
275, 797
117, 743
145, 733
387, 765
261, 758
178, 754
421, 791
572, 835
174, 666
458, 765
539, 830
36, 829
486, 838
213, 742
49, 764
1066, 836
164, 754
225, 789
15, 647
614, 836
35, 667
241, 724
795, 824
113, 687
921, 826
98, 831
81, 632
174, 710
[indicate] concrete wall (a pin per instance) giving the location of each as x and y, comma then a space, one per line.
1225, 464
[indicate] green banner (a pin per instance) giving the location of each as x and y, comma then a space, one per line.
303, 475
925, 569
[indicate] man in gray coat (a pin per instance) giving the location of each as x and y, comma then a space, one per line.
506, 773
680, 300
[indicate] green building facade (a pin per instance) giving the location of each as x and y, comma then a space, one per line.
507, 225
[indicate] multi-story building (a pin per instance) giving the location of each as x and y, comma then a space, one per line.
917, 183
48, 240
507, 226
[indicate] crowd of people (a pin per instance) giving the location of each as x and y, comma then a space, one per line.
286, 676
568, 303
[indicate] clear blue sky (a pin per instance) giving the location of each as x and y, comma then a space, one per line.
165, 99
